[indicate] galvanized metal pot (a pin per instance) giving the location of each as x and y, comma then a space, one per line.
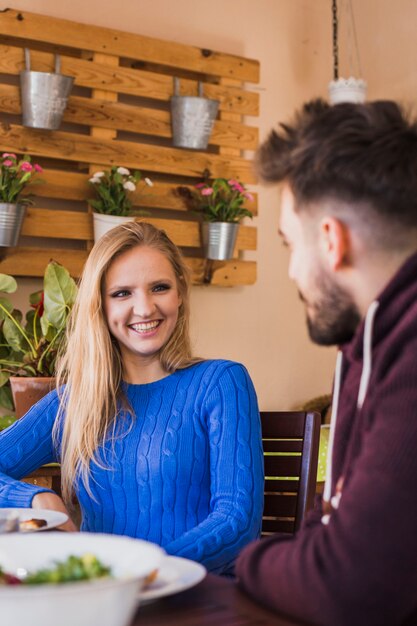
192, 119
219, 239
11, 220
44, 96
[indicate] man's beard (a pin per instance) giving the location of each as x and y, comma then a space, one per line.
336, 316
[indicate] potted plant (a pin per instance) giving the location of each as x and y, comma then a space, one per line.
28, 349
15, 176
220, 204
113, 205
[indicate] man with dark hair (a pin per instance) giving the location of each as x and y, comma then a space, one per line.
349, 218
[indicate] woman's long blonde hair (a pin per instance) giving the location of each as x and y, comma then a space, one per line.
91, 364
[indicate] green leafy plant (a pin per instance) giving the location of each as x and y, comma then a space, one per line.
113, 188
219, 201
29, 347
15, 176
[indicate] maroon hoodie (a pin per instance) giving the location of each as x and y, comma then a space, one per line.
359, 568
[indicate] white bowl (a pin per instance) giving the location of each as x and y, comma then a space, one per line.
100, 602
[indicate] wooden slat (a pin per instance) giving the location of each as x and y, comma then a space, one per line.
128, 81
282, 446
78, 225
153, 122
81, 148
282, 466
280, 505
74, 186
272, 527
282, 485
88, 37
32, 262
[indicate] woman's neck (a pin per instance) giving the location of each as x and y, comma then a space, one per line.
143, 372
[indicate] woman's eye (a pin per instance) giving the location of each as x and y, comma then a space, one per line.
161, 287
121, 293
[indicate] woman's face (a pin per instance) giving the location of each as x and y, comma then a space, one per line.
141, 303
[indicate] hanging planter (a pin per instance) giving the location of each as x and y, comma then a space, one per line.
192, 119
44, 95
11, 220
112, 205
219, 239
102, 223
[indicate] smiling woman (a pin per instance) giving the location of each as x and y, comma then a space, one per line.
153, 442
141, 303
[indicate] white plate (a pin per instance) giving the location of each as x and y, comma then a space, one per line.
52, 518
175, 574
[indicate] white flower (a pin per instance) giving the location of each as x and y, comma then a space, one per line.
123, 171
129, 185
98, 174
148, 182
94, 180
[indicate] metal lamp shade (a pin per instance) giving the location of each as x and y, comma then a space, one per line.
219, 239
11, 219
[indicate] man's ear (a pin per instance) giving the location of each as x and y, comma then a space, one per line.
335, 242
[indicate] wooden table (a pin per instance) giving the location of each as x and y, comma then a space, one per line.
216, 601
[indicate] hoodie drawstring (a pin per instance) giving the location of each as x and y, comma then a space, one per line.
363, 387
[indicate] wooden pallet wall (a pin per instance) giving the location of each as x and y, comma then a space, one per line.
118, 114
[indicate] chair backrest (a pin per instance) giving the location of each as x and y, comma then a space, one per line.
291, 447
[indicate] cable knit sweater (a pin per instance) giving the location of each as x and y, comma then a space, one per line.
186, 472
361, 567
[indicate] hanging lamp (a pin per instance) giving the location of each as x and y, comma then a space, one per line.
346, 89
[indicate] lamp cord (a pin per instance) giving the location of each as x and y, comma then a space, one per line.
335, 41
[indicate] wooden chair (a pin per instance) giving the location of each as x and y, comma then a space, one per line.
291, 447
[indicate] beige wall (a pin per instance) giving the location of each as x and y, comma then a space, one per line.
262, 325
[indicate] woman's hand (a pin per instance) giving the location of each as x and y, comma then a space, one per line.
48, 500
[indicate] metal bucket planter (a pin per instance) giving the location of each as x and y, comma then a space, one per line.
192, 119
44, 95
219, 239
102, 223
11, 220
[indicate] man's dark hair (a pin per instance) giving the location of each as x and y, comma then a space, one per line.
357, 153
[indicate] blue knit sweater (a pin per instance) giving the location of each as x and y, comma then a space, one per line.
186, 472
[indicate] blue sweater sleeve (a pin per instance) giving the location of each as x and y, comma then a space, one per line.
25, 446
236, 471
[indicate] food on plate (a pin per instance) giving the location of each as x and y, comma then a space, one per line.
73, 569
32, 524
150, 578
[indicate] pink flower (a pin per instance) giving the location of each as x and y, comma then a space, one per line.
7, 163
207, 192
248, 196
26, 166
37, 168
237, 186
232, 182
200, 185
8, 154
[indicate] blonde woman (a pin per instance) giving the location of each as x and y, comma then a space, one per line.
153, 442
